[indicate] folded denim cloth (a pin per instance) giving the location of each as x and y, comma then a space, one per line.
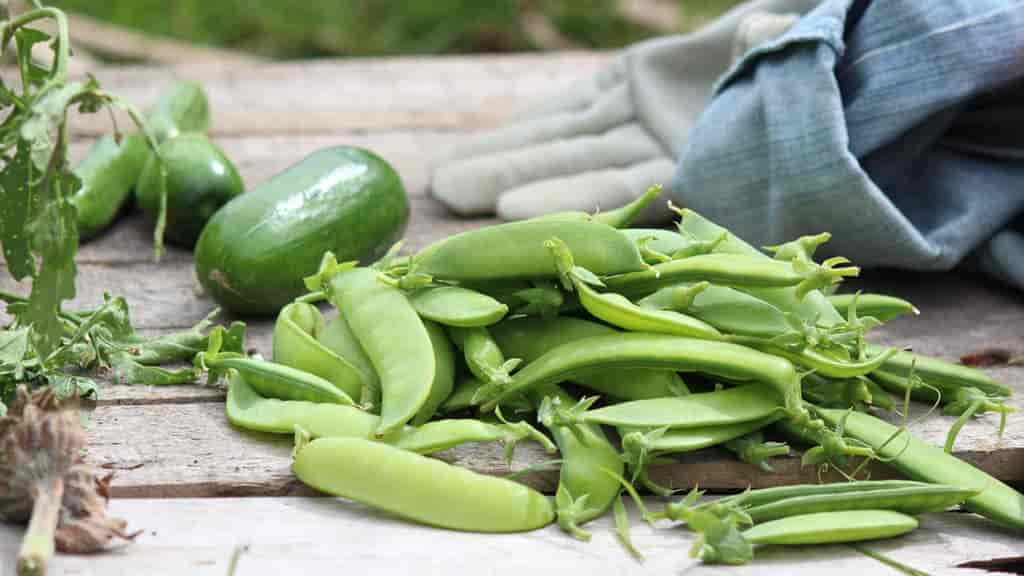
896, 125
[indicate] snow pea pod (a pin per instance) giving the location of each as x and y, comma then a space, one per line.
455, 306
659, 240
822, 363
531, 338
766, 496
419, 488
879, 306
618, 218
276, 380
245, 408
617, 310
393, 336
945, 376
911, 500
922, 461
585, 488
678, 440
639, 350
723, 407
726, 269
832, 527
483, 356
516, 250
462, 398
727, 309
444, 373
295, 345
337, 337
812, 307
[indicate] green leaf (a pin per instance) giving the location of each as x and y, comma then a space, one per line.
19, 208
13, 346
57, 239
70, 386
25, 38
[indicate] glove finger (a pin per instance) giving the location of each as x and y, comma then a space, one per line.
611, 109
591, 191
580, 97
473, 185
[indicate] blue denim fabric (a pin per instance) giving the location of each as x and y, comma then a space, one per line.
897, 125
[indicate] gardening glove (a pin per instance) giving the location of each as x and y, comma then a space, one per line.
896, 125
606, 141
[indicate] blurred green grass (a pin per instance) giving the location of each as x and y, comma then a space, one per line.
320, 28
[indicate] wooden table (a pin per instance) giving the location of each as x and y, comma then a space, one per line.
203, 491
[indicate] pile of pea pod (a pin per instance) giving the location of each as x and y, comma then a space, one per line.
615, 347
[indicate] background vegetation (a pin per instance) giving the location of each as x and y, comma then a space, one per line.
318, 28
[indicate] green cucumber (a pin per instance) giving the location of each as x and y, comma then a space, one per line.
110, 170
200, 179
253, 254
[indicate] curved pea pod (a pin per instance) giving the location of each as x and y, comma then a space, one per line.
945, 376
531, 338
619, 218
588, 479
419, 488
878, 306
245, 408
617, 310
337, 337
678, 440
455, 306
726, 269
393, 337
295, 345
516, 250
639, 350
824, 364
444, 373
812, 307
278, 380
911, 500
922, 461
746, 403
727, 309
832, 527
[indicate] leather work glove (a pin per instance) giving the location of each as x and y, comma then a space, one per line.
605, 142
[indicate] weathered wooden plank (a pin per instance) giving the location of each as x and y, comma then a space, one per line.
189, 449
373, 94
326, 535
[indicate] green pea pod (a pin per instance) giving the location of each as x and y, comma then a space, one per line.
878, 306
678, 440
418, 488
831, 527
337, 337
585, 488
766, 496
295, 345
639, 350
727, 309
108, 173
619, 218
531, 338
245, 408
824, 364
911, 500
516, 250
617, 310
922, 461
277, 380
393, 336
658, 240
444, 373
725, 269
814, 307
455, 306
945, 376
484, 358
748, 403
